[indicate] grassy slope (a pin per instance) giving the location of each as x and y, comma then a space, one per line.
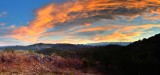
23, 62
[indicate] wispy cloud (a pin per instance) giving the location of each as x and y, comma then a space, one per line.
2, 24
3, 13
125, 33
96, 34
118, 37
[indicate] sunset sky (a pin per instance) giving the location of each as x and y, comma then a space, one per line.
24, 22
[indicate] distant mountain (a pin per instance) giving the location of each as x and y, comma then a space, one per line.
62, 46
14, 47
69, 46
42, 46
110, 43
38, 46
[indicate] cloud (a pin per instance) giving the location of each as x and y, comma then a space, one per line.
125, 33
87, 24
2, 24
3, 27
67, 39
82, 11
117, 36
12, 26
121, 28
10, 42
99, 28
154, 15
110, 33
5, 31
3, 13
138, 27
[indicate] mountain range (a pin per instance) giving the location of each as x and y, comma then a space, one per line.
62, 46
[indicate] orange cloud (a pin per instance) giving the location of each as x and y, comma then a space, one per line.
152, 16
87, 24
67, 39
99, 28
137, 27
121, 28
117, 36
41, 23
48, 16
125, 33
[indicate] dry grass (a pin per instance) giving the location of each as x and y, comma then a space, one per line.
25, 63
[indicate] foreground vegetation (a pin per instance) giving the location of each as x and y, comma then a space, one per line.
30, 63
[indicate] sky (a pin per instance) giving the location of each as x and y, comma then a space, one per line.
77, 21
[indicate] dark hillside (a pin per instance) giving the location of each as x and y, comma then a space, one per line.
138, 58
141, 57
